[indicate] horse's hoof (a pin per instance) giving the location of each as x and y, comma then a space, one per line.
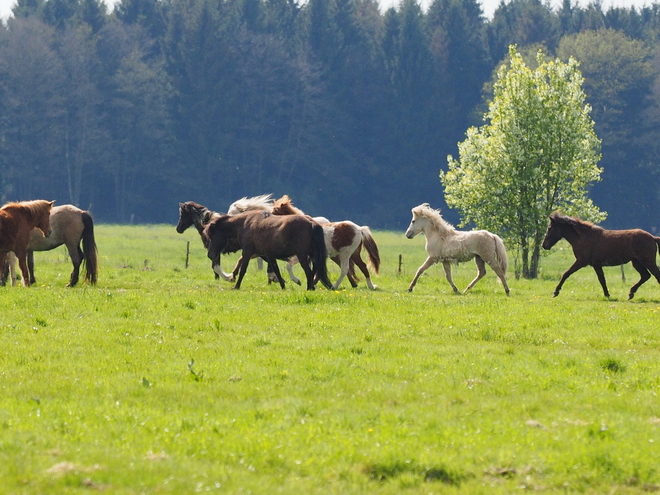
555, 294
409, 290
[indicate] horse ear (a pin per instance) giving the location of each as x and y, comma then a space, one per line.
52, 202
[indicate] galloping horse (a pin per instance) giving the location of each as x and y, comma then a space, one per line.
343, 240
446, 244
271, 237
598, 247
16, 222
72, 227
191, 213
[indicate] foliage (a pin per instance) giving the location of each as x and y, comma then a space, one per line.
335, 102
162, 380
618, 80
536, 153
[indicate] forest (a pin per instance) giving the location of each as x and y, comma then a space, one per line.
348, 108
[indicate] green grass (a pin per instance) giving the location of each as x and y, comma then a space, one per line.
162, 380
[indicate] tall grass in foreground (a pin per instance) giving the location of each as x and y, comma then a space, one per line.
162, 380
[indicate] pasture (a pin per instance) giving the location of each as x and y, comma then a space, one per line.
161, 379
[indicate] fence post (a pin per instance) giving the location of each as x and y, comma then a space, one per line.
187, 252
400, 263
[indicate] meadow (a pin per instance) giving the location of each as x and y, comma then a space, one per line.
160, 379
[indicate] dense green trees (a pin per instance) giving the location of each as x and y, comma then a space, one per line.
536, 153
348, 109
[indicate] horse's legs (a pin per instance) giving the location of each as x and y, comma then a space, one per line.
76, 255
219, 273
245, 261
289, 268
352, 278
425, 266
644, 273
4, 265
275, 270
342, 260
481, 271
30, 263
501, 274
447, 267
573, 268
601, 278
357, 259
304, 263
22, 263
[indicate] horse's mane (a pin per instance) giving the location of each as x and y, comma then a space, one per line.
263, 202
35, 206
284, 206
575, 223
425, 210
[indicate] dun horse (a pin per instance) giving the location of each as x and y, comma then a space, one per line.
74, 228
16, 222
271, 237
598, 247
344, 241
447, 245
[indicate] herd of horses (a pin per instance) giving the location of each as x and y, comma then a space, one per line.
273, 230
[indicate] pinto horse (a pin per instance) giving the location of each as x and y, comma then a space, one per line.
16, 222
344, 241
271, 237
446, 244
598, 247
72, 227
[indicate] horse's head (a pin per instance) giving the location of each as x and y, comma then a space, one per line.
191, 213
554, 233
42, 216
418, 221
185, 217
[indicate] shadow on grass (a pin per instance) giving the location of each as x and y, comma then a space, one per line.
382, 472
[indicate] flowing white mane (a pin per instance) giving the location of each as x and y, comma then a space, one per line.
263, 202
425, 210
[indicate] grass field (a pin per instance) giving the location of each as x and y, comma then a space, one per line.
163, 380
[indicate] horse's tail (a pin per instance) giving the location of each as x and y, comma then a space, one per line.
372, 249
89, 248
320, 256
500, 254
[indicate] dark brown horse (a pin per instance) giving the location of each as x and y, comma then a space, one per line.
74, 228
598, 247
272, 237
344, 242
191, 213
16, 222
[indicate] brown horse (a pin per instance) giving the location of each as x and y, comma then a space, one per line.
344, 242
271, 237
72, 227
191, 213
16, 222
598, 247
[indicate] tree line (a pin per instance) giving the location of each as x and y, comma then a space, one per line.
349, 109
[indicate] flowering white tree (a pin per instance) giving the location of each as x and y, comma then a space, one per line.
537, 152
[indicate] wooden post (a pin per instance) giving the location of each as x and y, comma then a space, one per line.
187, 253
400, 263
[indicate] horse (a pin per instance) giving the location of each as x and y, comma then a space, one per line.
595, 246
16, 222
344, 241
272, 237
191, 213
72, 227
447, 245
